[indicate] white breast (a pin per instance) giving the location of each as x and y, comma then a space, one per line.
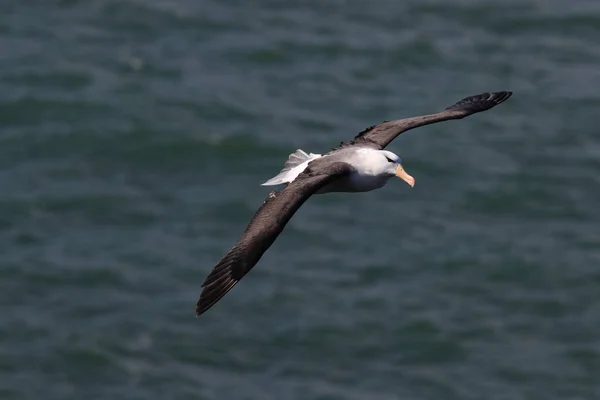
355, 183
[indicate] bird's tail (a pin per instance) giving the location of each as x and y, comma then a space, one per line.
295, 164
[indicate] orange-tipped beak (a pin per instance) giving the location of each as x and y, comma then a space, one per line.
401, 173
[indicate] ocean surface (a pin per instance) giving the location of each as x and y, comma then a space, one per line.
134, 135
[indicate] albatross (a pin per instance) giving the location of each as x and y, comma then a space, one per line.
360, 165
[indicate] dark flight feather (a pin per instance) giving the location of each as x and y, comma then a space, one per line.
380, 135
266, 224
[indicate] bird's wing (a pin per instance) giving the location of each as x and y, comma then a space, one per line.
379, 136
263, 229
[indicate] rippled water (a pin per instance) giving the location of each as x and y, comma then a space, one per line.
133, 139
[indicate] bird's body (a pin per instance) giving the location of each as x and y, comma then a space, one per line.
368, 169
361, 165
371, 170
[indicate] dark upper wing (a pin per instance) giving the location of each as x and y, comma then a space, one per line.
379, 136
265, 226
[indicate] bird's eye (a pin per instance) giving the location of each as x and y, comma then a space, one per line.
389, 159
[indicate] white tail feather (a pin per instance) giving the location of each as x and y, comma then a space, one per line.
295, 164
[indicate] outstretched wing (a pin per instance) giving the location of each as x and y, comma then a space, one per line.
379, 136
265, 226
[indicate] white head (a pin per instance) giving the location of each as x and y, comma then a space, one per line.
392, 164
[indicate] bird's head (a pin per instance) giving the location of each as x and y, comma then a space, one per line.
393, 166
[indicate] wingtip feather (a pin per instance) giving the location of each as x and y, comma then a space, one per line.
211, 294
218, 283
482, 101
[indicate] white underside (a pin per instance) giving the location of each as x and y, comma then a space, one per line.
356, 182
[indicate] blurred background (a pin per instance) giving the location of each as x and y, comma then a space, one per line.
134, 135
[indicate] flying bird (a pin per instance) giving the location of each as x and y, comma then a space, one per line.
360, 165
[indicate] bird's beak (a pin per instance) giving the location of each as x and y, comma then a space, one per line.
401, 173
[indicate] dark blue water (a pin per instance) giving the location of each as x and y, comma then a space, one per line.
134, 136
